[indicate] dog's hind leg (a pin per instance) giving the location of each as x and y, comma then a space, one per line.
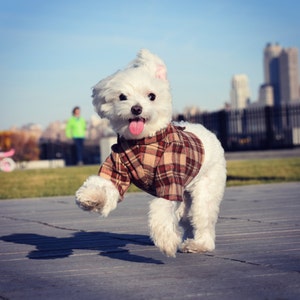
163, 224
206, 193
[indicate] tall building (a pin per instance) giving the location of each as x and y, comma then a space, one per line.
281, 72
240, 93
266, 95
272, 70
289, 75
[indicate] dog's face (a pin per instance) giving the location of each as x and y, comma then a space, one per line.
136, 100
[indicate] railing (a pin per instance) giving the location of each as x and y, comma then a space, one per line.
59, 150
254, 128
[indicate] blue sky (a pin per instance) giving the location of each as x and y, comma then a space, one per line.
53, 52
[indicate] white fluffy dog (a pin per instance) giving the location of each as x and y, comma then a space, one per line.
186, 173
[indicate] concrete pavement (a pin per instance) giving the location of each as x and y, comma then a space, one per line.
50, 249
279, 153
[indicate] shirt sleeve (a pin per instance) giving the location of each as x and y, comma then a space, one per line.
113, 170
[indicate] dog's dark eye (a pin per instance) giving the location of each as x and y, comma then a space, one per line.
151, 97
122, 97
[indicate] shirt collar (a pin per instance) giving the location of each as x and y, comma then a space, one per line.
158, 137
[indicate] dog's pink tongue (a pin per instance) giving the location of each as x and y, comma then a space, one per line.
136, 127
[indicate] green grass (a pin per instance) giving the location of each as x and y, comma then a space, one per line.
65, 181
43, 182
246, 172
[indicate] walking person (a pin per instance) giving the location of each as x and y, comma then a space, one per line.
75, 130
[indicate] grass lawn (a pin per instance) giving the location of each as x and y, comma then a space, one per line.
245, 172
65, 181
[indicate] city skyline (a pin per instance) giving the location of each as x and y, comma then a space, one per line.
281, 80
52, 53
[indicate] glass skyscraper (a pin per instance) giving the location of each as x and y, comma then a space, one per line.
281, 72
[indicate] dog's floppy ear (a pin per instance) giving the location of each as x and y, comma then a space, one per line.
161, 72
101, 95
97, 101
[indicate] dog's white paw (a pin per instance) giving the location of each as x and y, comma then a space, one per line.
97, 194
167, 242
197, 246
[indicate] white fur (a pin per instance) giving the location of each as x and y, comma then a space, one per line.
136, 81
187, 225
98, 195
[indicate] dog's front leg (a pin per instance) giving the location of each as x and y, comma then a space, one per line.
163, 225
97, 194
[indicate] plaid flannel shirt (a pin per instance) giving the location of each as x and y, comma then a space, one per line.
162, 165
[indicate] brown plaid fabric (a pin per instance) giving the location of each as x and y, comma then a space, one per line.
162, 165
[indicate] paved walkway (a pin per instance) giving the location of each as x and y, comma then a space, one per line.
50, 249
280, 153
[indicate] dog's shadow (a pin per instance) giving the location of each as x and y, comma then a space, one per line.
108, 244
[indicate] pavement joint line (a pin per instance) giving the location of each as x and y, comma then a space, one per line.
251, 220
233, 259
247, 262
248, 220
132, 240
43, 223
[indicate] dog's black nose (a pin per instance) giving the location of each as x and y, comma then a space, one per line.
136, 110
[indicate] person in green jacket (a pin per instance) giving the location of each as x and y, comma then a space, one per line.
75, 129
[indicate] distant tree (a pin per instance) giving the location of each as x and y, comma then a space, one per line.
5, 140
25, 144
